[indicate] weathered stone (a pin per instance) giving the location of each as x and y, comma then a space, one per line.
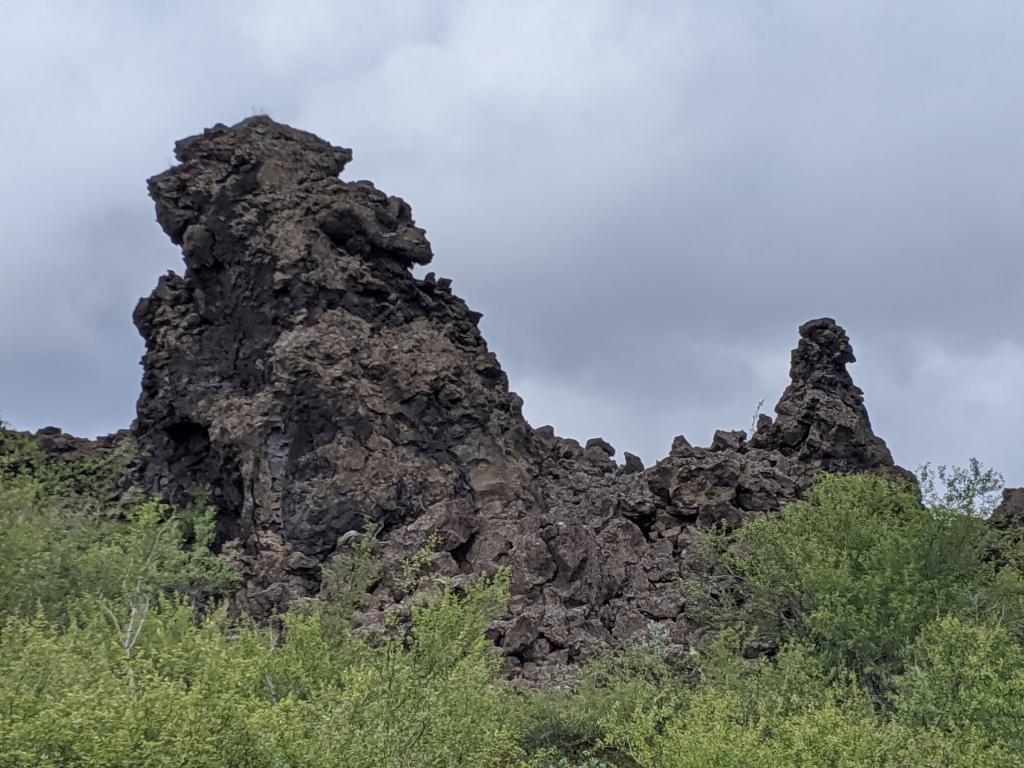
728, 440
680, 446
601, 444
633, 464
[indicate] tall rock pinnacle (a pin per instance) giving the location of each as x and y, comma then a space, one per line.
302, 378
821, 418
297, 368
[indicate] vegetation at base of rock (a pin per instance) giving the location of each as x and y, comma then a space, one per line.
58, 559
96, 481
860, 567
888, 633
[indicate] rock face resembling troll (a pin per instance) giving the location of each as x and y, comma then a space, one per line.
301, 374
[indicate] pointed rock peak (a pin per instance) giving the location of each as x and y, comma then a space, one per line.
821, 417
1010, 512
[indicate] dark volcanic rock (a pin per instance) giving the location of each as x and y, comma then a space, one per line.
821, 418
298, 369
1010, 512
300, 373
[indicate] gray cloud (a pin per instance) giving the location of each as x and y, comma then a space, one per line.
644, 199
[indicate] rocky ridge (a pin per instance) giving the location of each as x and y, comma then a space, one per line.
299, 373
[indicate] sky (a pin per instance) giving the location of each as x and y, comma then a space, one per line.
644, 199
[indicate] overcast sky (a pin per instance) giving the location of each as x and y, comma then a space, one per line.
645, 199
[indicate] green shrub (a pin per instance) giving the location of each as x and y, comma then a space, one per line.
786, 713
566, 722
964, 677
859, 568
93, 483
971, 490
53, 555
105, 661
191, 693
427, 700
898, 629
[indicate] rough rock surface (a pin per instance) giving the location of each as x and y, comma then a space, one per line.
302, 375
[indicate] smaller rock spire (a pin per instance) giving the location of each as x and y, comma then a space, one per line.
1010, 512
821, 418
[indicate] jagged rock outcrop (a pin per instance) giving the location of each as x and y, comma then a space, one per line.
302, 375
298, 369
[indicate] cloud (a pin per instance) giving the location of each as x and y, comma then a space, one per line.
645, 200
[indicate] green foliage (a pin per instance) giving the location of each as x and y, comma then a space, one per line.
193, 694
106, 661
53, 556
564, 722
412, 567
345, 580
786, 713
900, 634
428, 700
92, 483
859, 568
714, 731
965, 678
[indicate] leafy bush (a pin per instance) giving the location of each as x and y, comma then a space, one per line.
94, 483
965, 678
53, 555
859, 568
714, 732
565, 722
194, 694
105, 661
970, 490
787, 713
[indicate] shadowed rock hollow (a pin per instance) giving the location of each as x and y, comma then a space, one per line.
301, 374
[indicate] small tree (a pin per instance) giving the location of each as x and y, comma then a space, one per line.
971, 490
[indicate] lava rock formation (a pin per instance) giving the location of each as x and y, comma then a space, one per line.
299, 373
